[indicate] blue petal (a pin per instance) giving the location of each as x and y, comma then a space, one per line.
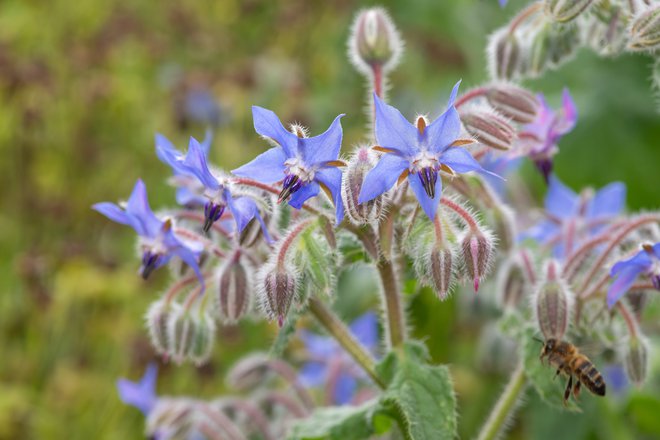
266, 123
143, 220
656, 250
190, 258
244, 209
443, 131
142, 394
608, 201
331, 178
640, 260
113, 212
452, 96
344, 389
320, 347
324, 147
620, 286
268, 167
569, 114
382, 177
460, 160
306, 192
542, 232
163, 145
196, 162
393, 131
560, 200
206, 143
365, 329
313, 374
429, 205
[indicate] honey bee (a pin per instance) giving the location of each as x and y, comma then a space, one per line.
568, 360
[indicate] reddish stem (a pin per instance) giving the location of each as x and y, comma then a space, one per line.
524, 15
378, 79
290, 238
527, 265
468, 96
631, 323
173, 291
196, 237
458, 209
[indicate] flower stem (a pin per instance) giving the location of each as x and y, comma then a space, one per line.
504, 406
468, 96
338, 330
392, 297
524, 15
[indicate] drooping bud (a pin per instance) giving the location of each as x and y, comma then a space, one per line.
645, 30
157, 317
550, 47
489, 128
203, 337
553, 303
477, 252
248, 372
503, 54
362, 161
191, 334
441, 269
637, 360
564, 11
513, 102
512, 284
277, 288
173, 416
374, 41
232, 299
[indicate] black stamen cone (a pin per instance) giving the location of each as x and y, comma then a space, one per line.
291, 184
149, 264
429, 177
212, 213
545, 167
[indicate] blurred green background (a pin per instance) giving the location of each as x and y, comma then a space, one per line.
85, 85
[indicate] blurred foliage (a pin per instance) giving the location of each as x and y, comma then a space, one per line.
85, 85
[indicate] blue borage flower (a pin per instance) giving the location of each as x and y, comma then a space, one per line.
303, 164
503, 3
157, 240
571, 217
329, 363
214, 190
418, 152
645, 262
142, 394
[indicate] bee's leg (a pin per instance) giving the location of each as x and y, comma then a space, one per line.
567, 392
560, 367
576, 389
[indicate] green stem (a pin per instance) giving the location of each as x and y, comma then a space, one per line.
340, 332
505, 405
392, 298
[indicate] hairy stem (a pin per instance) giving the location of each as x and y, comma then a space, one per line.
392, 296
505, 406
524, 15
470, 95
337, 329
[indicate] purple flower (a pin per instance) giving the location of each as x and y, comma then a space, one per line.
330, 365
215, 191
418, 152
646, 262
304, 164
571, 217
142, 394
157, 240
539, 139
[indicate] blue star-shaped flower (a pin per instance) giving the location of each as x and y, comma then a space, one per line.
214, 190
157, 240
646, 261
418, 152
573, 217
142, 394
329, 363
304, 164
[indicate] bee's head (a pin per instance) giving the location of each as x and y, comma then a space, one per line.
549, 345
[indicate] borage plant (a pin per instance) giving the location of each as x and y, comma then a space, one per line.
425, 203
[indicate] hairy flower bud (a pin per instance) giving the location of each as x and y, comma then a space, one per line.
172, 417
489, 128
440, 269
513, 102
157, 318
278, 287
563, 11
645, 30
232, 299
550, 47
512, 284
477, 252
248, 372
552, 303
191, 334
636, 360
374, 41
362, 161
503, 54
203, 337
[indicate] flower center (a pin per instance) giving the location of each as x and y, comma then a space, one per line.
297, 175
150, 262
212, 213
426, 166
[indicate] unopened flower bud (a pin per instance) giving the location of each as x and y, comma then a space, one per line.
374, 41
191, 334
170, 418
512, 284
248, 372
233, 295
513, 102
203, 337
563, 11
551, 47
489, 128
277, 290
552, 303
157, 318
477, 252
503, 54
441, 264
645, 30
636, 360
362, 161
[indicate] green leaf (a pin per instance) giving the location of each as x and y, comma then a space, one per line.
339, 422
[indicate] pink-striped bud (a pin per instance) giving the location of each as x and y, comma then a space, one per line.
637, 360
512, 284
374, 41
249, 372
513, 102
441, 269
489, 128
232, 299
553, 303
278, 287
645, 30
477, 252
503, 54
362, 161
191, 334
563, 11
156, 319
